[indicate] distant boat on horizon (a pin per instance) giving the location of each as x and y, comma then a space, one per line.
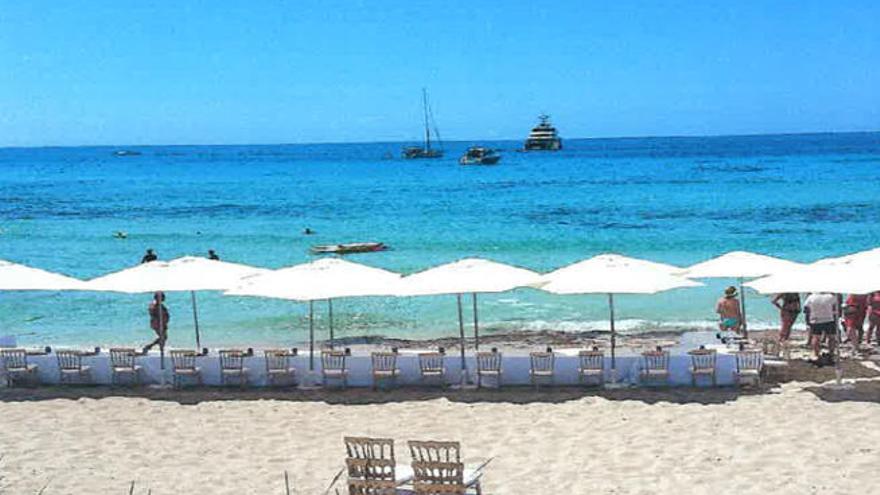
425, 151
543, 136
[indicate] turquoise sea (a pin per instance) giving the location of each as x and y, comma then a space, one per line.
676, 200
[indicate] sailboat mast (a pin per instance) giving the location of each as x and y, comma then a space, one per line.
425, 108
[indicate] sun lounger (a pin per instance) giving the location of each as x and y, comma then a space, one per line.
542, 365
183, 367
432, 367
655, 368
278, 368
122, 363
703, 364
439, 463
16, 367
365, 448
334, 366
71, 369
489, 366
232, 367
749, 367
384, 368
591, 367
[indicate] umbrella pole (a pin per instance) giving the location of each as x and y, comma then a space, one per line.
742, 298
613, 338
461, 335
196, 320
311, 336
330, 317
476, 324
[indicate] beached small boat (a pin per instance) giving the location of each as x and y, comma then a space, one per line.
413, 152
353, 247
543, 137
478, 155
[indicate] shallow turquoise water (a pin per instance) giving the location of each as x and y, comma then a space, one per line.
677, 200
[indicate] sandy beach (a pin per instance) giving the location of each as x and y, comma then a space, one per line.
797, 437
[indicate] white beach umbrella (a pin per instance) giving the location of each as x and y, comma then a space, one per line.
871, 256
20, 277
844, 278
739, 265
327, 278
471, 275
614, 274
189, 274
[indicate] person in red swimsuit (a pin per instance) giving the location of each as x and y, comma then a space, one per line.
854, 312
873, 316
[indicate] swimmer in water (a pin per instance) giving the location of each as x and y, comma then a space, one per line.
149, 256
212, 255
308, 231
120, 234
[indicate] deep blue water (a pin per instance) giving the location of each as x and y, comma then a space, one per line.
677, 200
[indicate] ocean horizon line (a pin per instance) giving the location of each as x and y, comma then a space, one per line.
464, 140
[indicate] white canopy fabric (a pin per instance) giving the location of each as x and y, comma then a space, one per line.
189, 273
470, 275
855, 278
20, 277
871, 256
327, 278
614, 274
739, 264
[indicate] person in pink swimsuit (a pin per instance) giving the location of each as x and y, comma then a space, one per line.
873, 317
854, 312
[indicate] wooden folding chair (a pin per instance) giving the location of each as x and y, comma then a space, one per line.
591, 367
542, 366
432, 367
334, 367
489, 365
655, 367
384, 368
71, 369
278, 368
232, 367
703, 364
15, 366
183, 367
122, 364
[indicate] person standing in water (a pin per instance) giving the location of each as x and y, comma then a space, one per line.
159, 317
729, 312
789, 305
149, 256
212, 255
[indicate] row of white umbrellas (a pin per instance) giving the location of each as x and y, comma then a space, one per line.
331, 278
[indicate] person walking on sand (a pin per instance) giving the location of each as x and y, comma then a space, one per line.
729, 312
149, 256
873, 303
789, 304
159, 317
821, 312
854, 312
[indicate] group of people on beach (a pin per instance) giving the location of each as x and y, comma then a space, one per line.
822, 311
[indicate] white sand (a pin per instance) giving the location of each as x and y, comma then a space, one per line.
791, 441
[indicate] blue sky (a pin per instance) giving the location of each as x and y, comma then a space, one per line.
216, 72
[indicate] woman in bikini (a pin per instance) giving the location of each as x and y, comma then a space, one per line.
789, 305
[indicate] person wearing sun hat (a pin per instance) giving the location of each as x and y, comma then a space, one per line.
729, 311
